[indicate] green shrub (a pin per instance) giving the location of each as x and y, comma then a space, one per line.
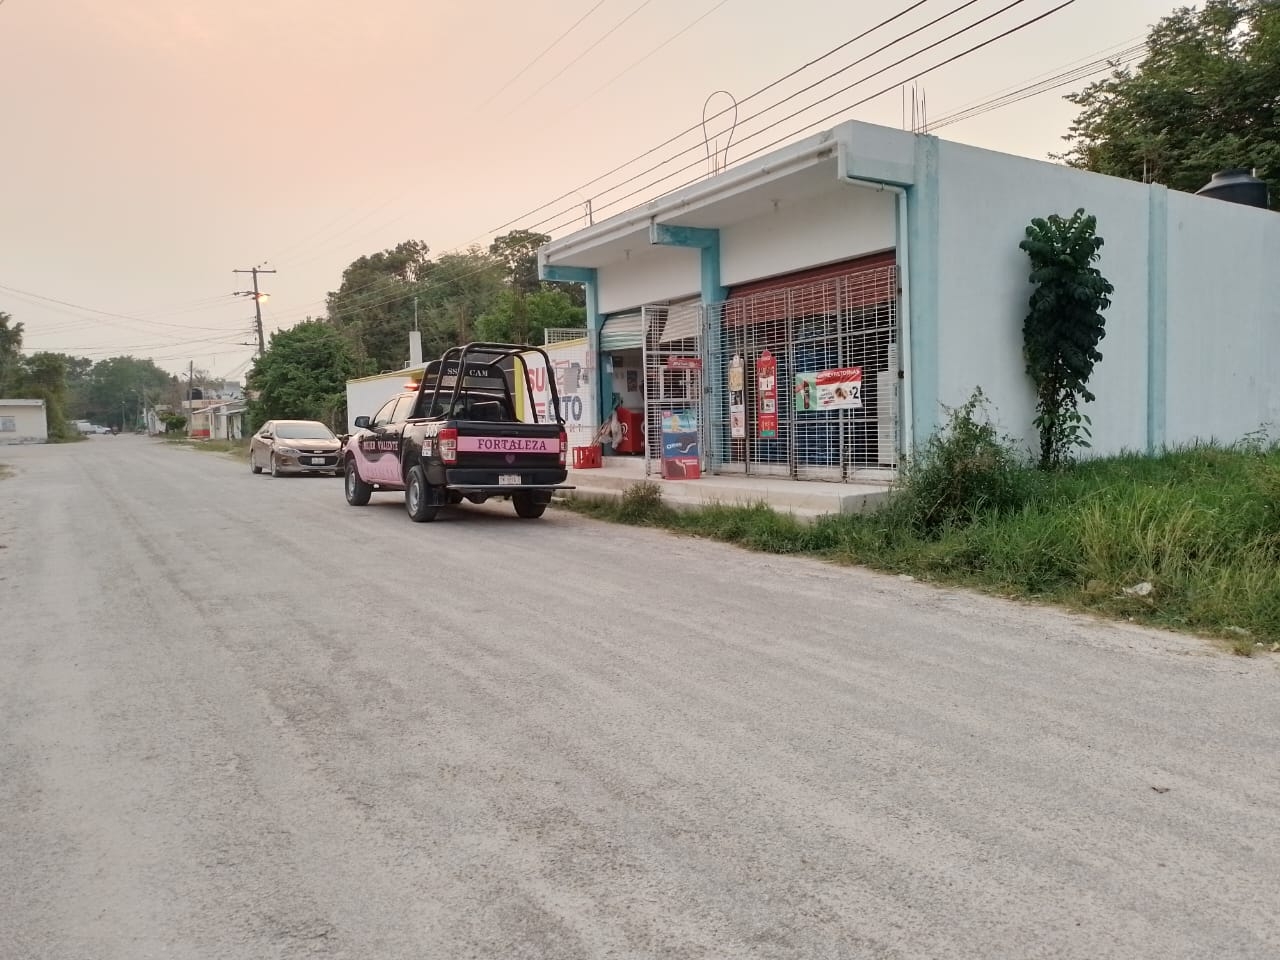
641, 503
965, 470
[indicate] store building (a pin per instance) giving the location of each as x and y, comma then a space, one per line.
815, 310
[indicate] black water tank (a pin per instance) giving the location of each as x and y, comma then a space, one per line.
1237, 186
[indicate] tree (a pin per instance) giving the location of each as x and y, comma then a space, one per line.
303, 375
10, 353
376, 299
115, 389
1203, 100
525, 318
518, 252
43, 376
1062, 332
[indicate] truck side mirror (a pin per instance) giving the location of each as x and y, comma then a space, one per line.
361, 423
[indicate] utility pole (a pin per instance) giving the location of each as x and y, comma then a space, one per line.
191, 379
257, 305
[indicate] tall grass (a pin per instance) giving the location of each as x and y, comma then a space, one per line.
1200, 526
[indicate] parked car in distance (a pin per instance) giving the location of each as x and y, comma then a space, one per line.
295, 446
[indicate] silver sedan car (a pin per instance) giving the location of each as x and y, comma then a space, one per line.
295, 446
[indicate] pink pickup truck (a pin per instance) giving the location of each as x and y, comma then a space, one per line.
455, 436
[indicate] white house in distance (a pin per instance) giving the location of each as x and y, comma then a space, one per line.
23, 421
816, 308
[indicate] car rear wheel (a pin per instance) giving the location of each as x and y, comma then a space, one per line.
358, 492
417, 498
528, 507
253, 464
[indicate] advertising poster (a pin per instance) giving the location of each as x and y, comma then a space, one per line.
737, 398
838, 389
767, 396
681, 457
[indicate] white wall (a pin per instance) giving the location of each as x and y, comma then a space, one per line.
366, 395
840, 224
651, 275
986, 201
575, 374
1223, 320
29, 422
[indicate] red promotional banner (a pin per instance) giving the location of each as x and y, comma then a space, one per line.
767, 396
684, 363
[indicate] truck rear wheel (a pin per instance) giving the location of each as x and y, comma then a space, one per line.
528, 506
417, 497
358, 492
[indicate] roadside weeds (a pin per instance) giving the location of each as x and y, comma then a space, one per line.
236, 448
1188, 541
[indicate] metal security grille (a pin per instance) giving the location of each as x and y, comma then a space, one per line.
673, 374
834, 347
554, 335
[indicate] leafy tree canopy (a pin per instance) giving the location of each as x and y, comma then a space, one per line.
518, 252
112, 391
1205, 98
10, 353
303, 375
523, 319
454, 291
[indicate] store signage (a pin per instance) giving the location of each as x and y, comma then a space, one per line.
837, 389
737, 398
767, 396
684, 363
681, 456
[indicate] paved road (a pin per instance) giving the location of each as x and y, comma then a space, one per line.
238, 719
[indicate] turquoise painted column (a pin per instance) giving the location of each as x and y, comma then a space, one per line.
923, 237
1157, 317
707, 242
590, 279
704, 239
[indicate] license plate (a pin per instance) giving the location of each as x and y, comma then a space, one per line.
509, 480
317, 460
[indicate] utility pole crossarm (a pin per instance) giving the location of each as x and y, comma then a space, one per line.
257, 305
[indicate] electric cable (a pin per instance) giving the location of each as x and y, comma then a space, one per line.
551, 46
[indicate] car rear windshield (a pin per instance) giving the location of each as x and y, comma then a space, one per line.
304, 431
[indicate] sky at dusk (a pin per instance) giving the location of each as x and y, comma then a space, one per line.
149, 147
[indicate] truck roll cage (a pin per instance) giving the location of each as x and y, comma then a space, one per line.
481, 366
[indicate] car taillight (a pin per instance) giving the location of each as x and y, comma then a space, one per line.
448, 440
564, 447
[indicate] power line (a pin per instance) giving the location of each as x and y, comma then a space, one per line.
81, 307
846, 108
693, 129
663, 45
821, 100
1103, 54
558, 74
1056, 82
760, 92
554, 43
257, 305
1025, 24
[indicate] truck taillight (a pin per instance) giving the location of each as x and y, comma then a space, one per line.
564, 446
448, 440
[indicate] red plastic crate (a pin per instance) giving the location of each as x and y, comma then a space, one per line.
584, 458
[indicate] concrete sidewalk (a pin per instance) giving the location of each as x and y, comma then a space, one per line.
801, 498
